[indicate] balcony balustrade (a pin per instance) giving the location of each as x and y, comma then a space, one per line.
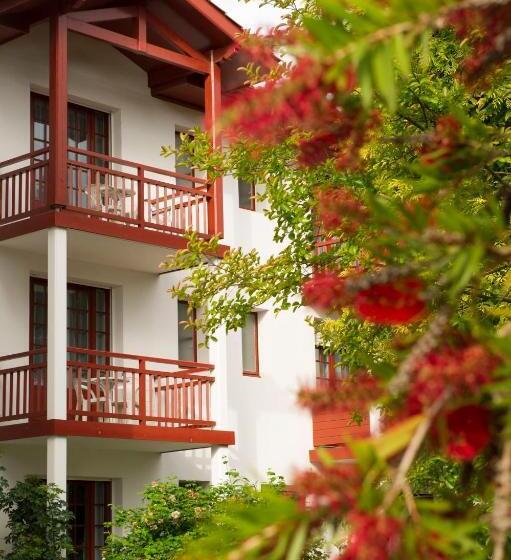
110, 387
108, 190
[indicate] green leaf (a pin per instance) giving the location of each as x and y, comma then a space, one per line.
397, 438
298, 542
402, 54
468, 264
383, 73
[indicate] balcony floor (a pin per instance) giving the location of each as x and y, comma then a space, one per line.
104, 435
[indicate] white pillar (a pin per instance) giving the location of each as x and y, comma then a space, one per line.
375, 421
218, 356
56, 446
57, 324
56, 461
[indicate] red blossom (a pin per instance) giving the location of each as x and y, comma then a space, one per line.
339, 209
356, 393
373, 537
468, 431
443, 147
333, 489
392, 303
464, 370
324, 291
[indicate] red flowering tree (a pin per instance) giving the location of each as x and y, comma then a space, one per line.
388, 137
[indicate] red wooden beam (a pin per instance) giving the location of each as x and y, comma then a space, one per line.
128, 43
212, 107
142, 28
8, 5
57, 173
106, 14
215, 16
166, 33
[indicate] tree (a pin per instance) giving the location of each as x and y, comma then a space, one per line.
38, 520
388, 135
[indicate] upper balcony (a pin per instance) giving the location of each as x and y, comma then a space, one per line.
154, 67
112, 395
105, 195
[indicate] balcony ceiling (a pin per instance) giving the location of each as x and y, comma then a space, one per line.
203, 25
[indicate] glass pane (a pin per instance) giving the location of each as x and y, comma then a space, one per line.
100, 300
248, 344
186, 339
40, 294
181, 166
101, 341
245, 191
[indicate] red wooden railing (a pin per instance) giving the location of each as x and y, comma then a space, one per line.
23, 386
109, 189
23, 186
112, 387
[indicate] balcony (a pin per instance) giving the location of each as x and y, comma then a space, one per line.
111, 395
106, 195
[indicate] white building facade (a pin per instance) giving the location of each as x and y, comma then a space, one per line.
101, 391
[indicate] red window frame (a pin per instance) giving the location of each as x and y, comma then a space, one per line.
92, 330
89, 523
252, 198
329, 362
194, 331
91, 131
256, 372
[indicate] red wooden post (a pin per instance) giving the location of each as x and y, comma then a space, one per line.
140, 197
57, 187
212, 107
142, 392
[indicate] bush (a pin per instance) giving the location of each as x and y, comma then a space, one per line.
173, 516
38, 520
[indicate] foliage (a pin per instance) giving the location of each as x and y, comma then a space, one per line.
387, 140
38, 520
173, 516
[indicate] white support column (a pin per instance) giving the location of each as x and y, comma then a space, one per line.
57, 324
56, 446
219, 404
375, 421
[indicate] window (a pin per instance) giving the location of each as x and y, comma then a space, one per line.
250, 345
181, 163
87, 129
246, 193
328, 365
186, 336
88, 317
89, 502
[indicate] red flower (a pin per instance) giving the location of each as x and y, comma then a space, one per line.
317, 149
324, 291
464, 370
338, 209
468, 431
333, 489
373, 537
442, 147
356, 393
392, 303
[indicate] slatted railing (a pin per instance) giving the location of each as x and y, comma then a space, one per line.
110, 387
139, 195
23, 186
124, 388
108, 189
23, 386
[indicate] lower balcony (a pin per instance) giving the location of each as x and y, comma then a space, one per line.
106, 195
112, 395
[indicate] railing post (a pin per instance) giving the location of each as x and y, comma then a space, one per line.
142, 392
140, 197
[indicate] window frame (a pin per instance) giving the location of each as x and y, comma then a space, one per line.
183, 182
331, 361
252, 197
91, 327
194, 332
91, 115
257, 372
